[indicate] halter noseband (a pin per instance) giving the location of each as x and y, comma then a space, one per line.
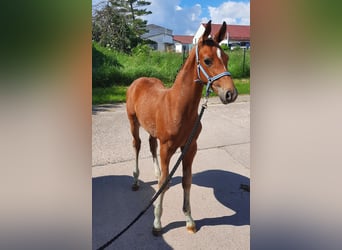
210, 79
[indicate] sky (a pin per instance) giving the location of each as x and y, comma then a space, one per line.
185, 16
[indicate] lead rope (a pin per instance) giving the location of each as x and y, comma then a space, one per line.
184, 151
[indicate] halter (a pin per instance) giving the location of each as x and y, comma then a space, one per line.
210, 79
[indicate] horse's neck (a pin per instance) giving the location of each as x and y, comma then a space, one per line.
185, 91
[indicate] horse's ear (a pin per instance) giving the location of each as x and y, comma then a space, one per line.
207, 31
219, 36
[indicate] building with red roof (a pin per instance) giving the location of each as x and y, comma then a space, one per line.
235, 35
182, 43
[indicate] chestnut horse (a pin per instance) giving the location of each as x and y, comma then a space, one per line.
170, 114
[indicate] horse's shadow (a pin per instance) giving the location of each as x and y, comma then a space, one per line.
227, 190
114, 205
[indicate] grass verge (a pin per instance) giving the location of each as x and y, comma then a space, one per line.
117, 94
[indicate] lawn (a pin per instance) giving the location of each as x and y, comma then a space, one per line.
113, 71
117, 94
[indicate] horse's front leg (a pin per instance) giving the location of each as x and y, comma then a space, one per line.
153, 149
165, 155
186, 183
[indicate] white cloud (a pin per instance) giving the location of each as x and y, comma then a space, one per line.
231, 12
185, 20
178, 7
170, 14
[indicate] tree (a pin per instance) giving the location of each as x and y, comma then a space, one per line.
110, 29
118, 23
136, 12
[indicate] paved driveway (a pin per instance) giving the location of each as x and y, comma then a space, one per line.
219, 206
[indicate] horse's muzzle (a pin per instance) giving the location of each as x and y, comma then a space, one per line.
227, 96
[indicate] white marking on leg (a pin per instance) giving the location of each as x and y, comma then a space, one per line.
156, 167
190, 224
136, 172
158, 211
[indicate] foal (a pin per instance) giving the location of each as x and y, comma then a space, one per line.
169, 114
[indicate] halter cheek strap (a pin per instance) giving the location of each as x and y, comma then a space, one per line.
210, 79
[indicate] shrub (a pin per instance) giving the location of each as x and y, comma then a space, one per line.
225, 47
142, 49
236, 65
105, 66
115, 68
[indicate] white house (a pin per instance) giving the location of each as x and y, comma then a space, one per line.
182, 43
162, 36
236, 34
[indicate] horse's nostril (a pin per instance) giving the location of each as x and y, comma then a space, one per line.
228, 96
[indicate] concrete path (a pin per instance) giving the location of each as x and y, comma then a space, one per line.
219, 206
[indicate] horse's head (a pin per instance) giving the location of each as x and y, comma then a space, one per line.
212, 65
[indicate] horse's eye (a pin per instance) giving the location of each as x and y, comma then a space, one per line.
208, 61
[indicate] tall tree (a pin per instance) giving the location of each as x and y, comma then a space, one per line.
110, 28
137, 11
118, 24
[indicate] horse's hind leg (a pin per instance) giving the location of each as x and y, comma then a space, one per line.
153, 148
136, 144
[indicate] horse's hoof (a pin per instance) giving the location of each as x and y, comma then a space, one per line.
156, 232
191, 229
135, 187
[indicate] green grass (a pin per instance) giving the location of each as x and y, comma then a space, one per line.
114, 71
242, 86
117, 94
114, 68
112, 94
235, 63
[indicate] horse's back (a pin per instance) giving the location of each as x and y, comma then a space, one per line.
144, 84
144, 89
145, 94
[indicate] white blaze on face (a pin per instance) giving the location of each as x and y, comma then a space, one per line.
218, 52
